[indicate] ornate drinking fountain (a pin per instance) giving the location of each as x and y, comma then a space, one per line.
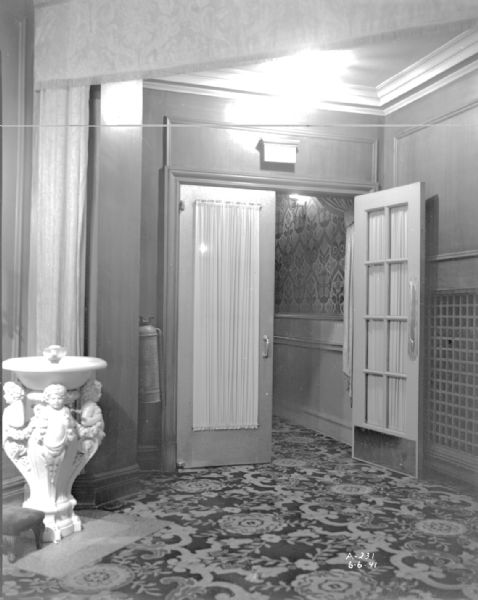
52, 426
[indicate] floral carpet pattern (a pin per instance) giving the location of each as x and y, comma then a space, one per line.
314, 524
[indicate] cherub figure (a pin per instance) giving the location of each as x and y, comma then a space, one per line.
91, 415
14, 432
14, 413
55, 418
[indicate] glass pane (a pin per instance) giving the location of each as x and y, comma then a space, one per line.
376, 235
398, 232
397, 347
376, 345
375, 401
398, 289
376, 290
396, 403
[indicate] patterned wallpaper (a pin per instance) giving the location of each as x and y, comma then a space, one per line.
310, 251
87, 41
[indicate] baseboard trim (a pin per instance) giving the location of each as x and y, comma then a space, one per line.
13, 490
448, 466
451, 456
328, 425
149, 458
93, 489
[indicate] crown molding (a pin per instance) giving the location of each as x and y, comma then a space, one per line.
431, 87
254, 82
446, 64
422, 77
363, 102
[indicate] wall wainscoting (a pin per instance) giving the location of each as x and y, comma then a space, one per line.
306, 343
13, 490
309, 386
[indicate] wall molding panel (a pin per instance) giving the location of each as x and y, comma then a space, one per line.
307, 343
309, 317
409, 131
360, 153
13, 489
463, 255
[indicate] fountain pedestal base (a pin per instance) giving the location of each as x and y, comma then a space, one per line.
50, 447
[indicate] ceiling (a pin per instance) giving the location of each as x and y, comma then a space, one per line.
383, 70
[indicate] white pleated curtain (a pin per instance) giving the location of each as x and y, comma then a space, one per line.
226, 316
58, 224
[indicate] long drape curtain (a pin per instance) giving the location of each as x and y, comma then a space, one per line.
347, 357
226, 316
58, 225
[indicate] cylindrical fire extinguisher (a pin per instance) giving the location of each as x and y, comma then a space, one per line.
149, 413
149, 335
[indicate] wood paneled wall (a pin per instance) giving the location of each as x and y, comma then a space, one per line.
336, 151
114, 282
16, 52
439, 146
309, 386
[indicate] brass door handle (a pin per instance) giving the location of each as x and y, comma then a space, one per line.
412, 321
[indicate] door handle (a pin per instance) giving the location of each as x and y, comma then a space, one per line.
266, 342
412, 321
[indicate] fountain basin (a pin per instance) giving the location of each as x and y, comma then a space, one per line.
37, 372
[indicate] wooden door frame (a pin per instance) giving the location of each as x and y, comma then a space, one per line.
170, 181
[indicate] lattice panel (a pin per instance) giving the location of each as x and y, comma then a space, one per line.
452, 418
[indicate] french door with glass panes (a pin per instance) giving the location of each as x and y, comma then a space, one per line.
388, 273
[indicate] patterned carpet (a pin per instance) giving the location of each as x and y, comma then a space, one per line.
314, 525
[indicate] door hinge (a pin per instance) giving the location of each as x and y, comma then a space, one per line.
182, 206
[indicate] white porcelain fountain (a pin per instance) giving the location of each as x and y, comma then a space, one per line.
52, 426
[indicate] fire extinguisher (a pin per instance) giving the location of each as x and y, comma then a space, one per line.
149, 338
149, 409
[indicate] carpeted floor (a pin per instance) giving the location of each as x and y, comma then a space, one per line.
314, 524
